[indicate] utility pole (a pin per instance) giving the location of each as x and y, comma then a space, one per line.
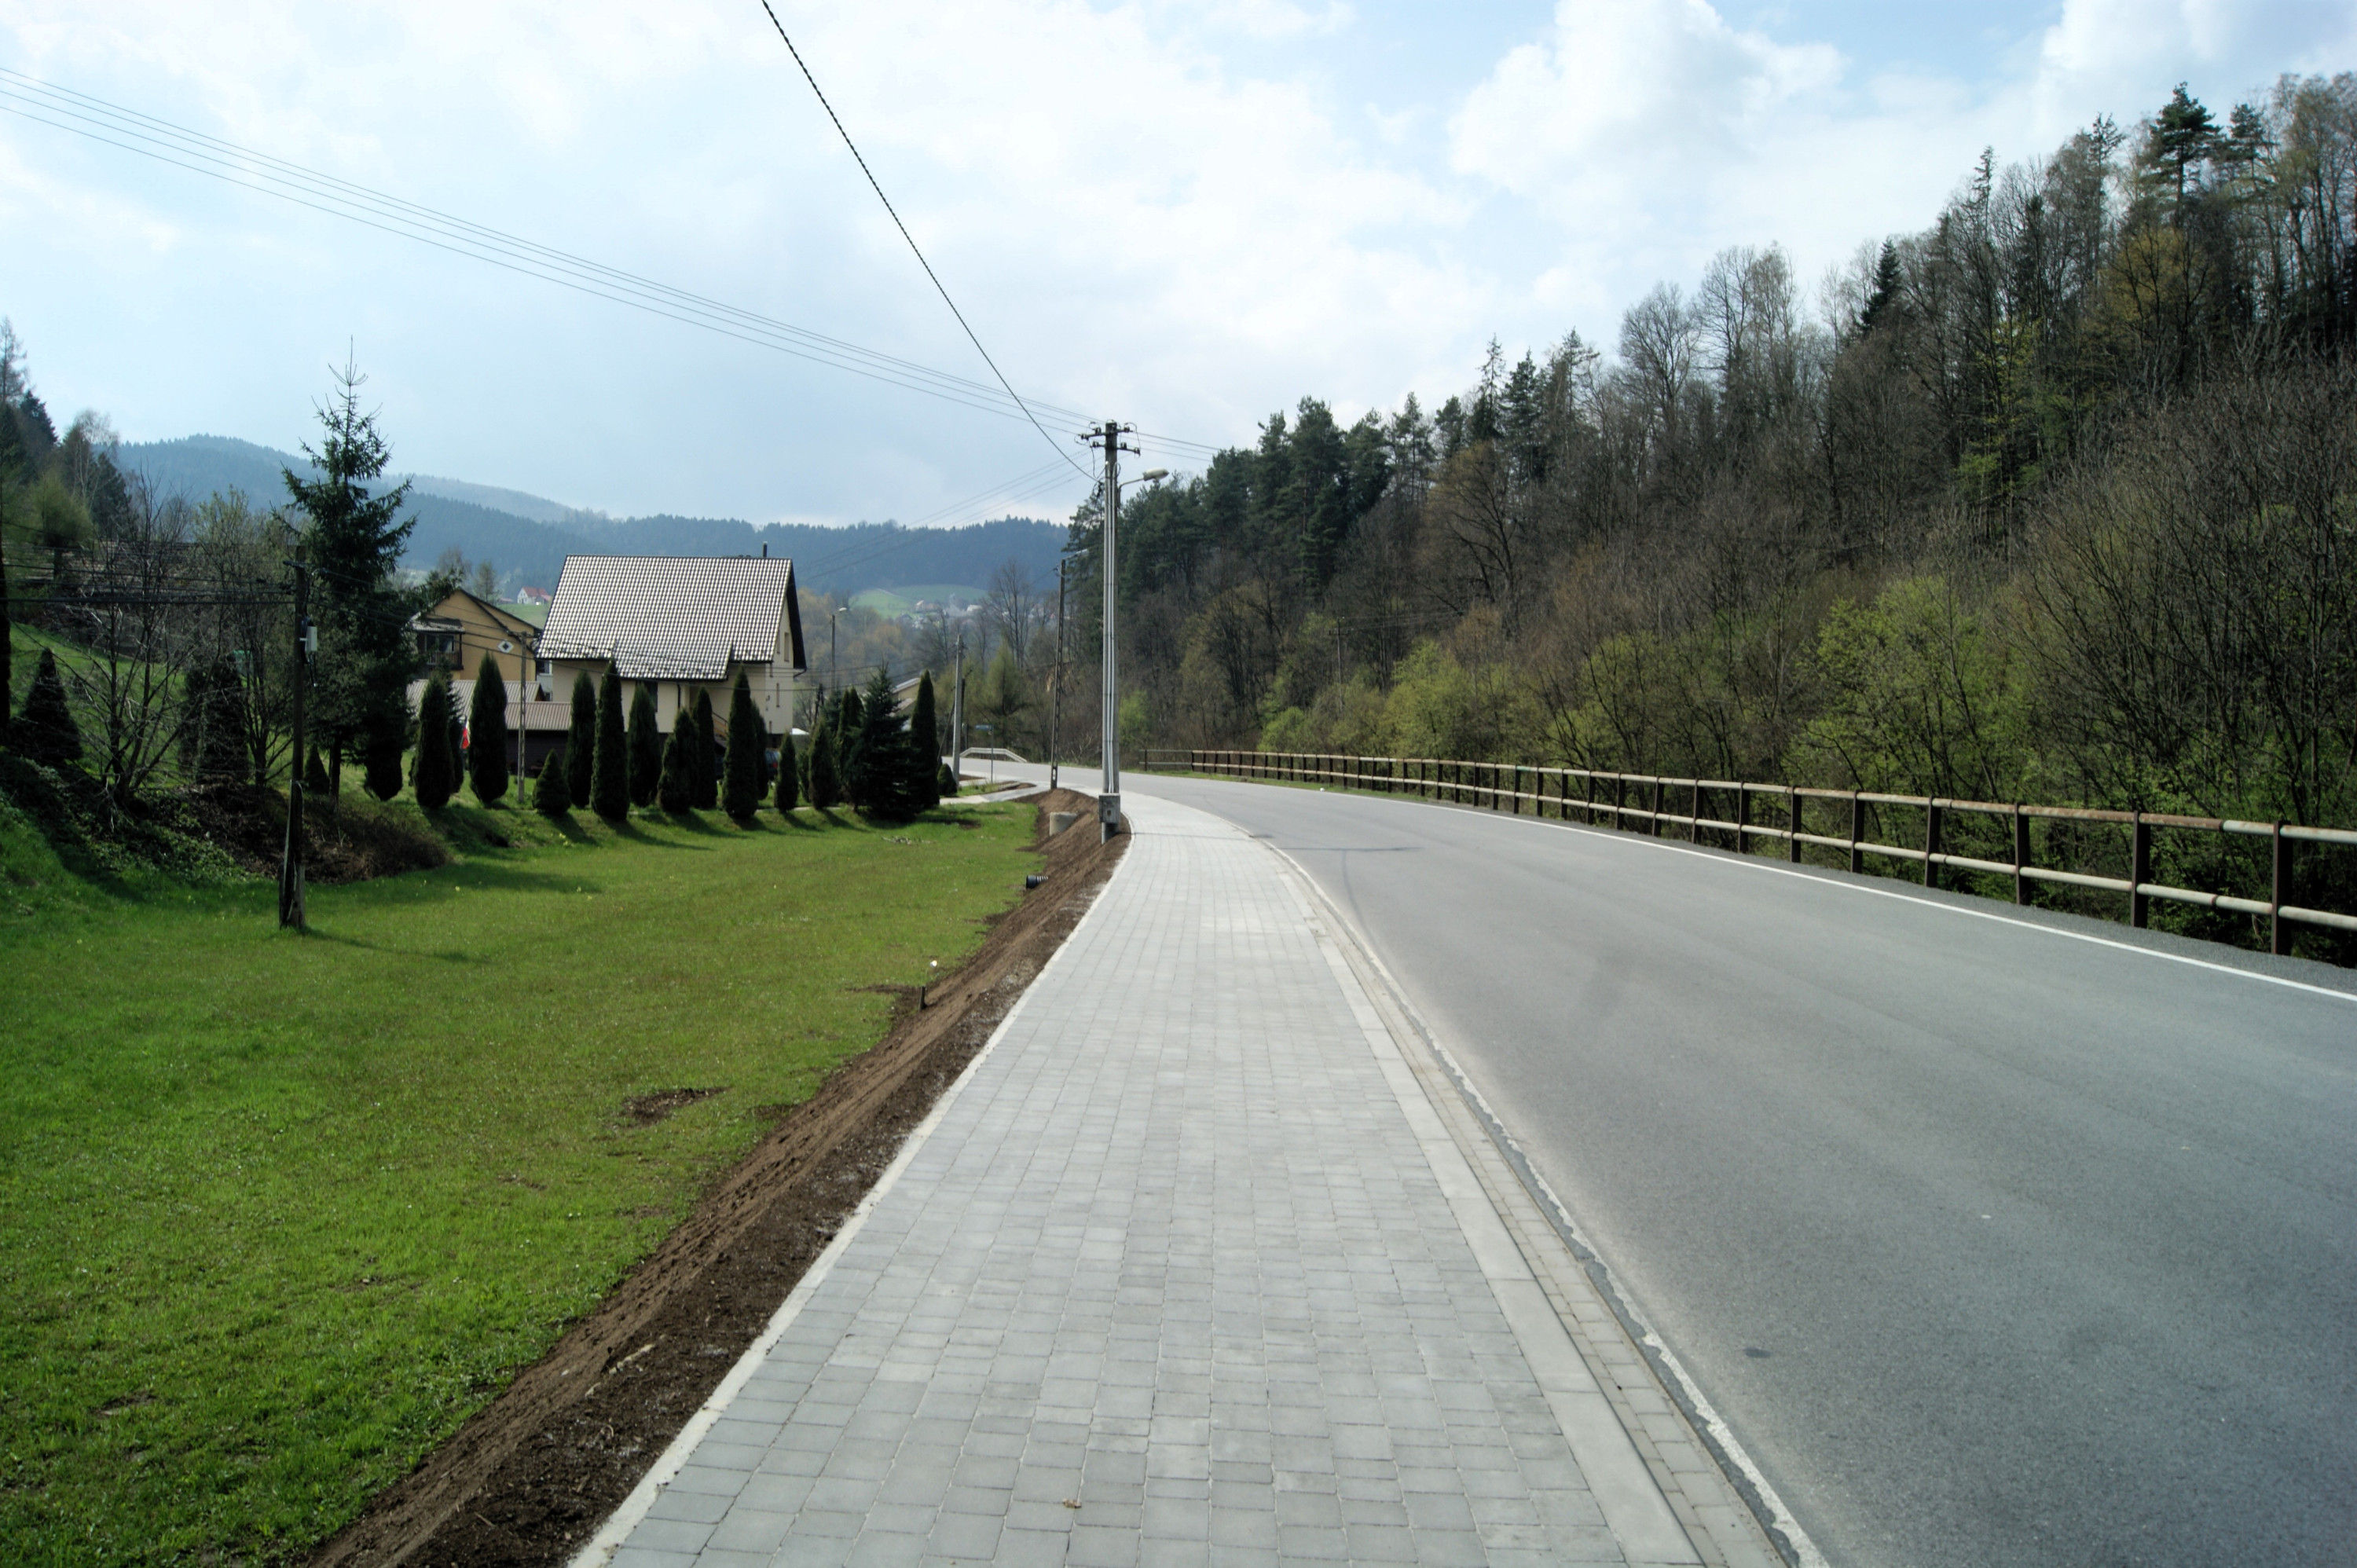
1108, 561
1055, 691
957, 710
307, 643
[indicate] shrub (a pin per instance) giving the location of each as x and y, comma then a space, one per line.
429, 774
703, 779
581, 739
825, 784
741, 794
924, 747
487, 726
646, 746
46, 731
553, 793
789, 786
609, 776
672, 791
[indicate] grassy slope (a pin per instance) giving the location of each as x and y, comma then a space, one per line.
276, 1213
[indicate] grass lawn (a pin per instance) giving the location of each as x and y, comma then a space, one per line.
278, 1212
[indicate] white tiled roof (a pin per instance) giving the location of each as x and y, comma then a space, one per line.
674, 618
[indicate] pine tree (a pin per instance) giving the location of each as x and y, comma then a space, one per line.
609, 776
487, 724
315, 774
553, 793
430, 773
945, 783
46, 731
704, 783
825, 784
740, 791
581, 739
880, 780
646, 746
924, 747
672, 792
789, 786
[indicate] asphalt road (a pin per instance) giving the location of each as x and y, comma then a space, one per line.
1991, 1245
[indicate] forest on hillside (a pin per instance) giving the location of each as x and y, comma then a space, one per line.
2049, 501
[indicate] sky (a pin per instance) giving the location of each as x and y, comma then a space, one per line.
1186, 216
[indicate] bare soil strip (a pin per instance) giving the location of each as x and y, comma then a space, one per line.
528, 1480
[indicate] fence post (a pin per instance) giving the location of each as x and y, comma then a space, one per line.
1856, 831
1661, 803
1792, 800
2278, 932
2139, 871
2021, 855
1930, 844
1742, 817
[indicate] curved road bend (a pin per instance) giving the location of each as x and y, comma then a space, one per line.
1992, 1246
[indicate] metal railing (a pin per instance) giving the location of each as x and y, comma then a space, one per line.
1500, 786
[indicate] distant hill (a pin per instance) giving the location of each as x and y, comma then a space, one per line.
527, 537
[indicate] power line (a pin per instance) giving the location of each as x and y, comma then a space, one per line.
130, 131
919, 254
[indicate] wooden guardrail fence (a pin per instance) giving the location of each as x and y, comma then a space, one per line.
1500, 786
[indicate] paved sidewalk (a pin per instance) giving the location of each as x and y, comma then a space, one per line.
1173, 1277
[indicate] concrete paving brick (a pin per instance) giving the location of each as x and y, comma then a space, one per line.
1173, 1250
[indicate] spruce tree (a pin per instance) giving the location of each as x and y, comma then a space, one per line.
46, 731
609, 776
672, 791
581, 739
646, 746
703, 783
430, 773
381, 764
825, 784
315, 774
553, 793
740, 791
880, 780
789, 786
487, 724
924, 747
945, 783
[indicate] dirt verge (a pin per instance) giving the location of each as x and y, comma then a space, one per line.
528, 1480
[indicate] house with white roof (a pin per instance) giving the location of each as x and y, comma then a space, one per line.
679, 624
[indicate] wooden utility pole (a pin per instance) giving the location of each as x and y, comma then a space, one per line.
1055, 691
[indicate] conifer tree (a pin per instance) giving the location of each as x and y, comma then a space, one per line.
609, 775
487, 724
924, 747
704, 783
430, 772
945, 783
46, 731
315, 774
646, 746
581, 738
553, 793
740, 793
457, 750
846, 730
381, 763
672, 792
825, 784
879, 781
789, 786
7, 650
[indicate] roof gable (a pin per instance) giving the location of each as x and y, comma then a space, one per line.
674, 618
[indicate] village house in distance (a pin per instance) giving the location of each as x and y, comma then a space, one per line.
678, 624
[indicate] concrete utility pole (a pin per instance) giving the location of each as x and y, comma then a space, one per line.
1056, 692
290, 865
957, 711
1109, 564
